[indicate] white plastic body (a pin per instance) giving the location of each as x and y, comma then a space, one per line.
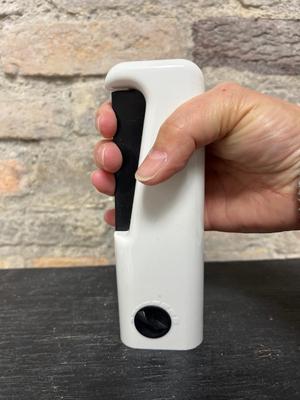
159, 260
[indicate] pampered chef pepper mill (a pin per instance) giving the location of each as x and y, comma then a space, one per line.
159, 229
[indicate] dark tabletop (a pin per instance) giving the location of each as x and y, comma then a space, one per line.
59, 338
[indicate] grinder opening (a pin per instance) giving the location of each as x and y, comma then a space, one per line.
152, 322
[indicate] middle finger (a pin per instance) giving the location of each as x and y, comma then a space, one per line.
107, 156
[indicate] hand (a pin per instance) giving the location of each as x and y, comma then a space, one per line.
252, 157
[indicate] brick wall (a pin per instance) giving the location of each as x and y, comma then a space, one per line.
53, 58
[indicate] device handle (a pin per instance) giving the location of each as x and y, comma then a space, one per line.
159, 236
129, 107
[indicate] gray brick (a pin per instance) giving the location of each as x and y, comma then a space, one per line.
56, 176
10, 7
86, 98
63, 177
286, 87
138, 6
90, 6
237, 246
79, 228
273, 8
259, 45
258, 3
11, 233
32, 118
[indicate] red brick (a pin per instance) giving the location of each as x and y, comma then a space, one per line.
11, 172
59, 262
88, 48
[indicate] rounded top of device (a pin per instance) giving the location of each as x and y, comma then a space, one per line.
124, 71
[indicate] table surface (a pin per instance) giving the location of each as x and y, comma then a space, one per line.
59, 338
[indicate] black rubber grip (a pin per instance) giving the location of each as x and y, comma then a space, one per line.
129, 107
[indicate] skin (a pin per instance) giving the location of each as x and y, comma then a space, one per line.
252, 157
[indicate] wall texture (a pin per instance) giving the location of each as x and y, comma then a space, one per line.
53, 58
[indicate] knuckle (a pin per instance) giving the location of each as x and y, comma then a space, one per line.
95, 156
172, 127
96, 153
99, 111
101, 108
180, 163
230, 87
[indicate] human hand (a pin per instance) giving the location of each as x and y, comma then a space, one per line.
252, 157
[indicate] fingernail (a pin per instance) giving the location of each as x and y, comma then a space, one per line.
98, 123
151, 165
102, 155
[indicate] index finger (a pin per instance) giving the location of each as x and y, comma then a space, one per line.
106, 121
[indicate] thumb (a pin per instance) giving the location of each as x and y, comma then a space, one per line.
200, 121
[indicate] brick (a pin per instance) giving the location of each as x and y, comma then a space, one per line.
259, 45
236, 246
11, 172
11, 262
86, 98
23, 158
140, 7
273, 7
10, 7
62, 178
87, 48
11, 233
37, 256
221, 246
78, 228
89, 6
57, 176
285, 87
258, 3
32, 119
286, 245
60, 262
